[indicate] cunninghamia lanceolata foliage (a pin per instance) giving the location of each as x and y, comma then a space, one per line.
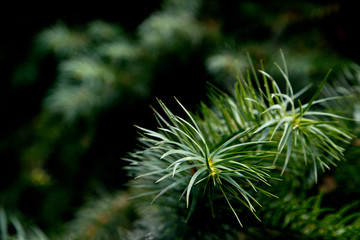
232, 148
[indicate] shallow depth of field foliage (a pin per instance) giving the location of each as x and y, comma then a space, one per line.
204, 120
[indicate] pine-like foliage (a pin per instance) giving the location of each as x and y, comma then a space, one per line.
237, 157
229, 152
306, 219
91, 69
15, 230
109, 217
100, 64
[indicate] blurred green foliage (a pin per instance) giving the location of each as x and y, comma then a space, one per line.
73, 99
12, 229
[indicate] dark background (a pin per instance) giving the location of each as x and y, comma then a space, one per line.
20, 104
